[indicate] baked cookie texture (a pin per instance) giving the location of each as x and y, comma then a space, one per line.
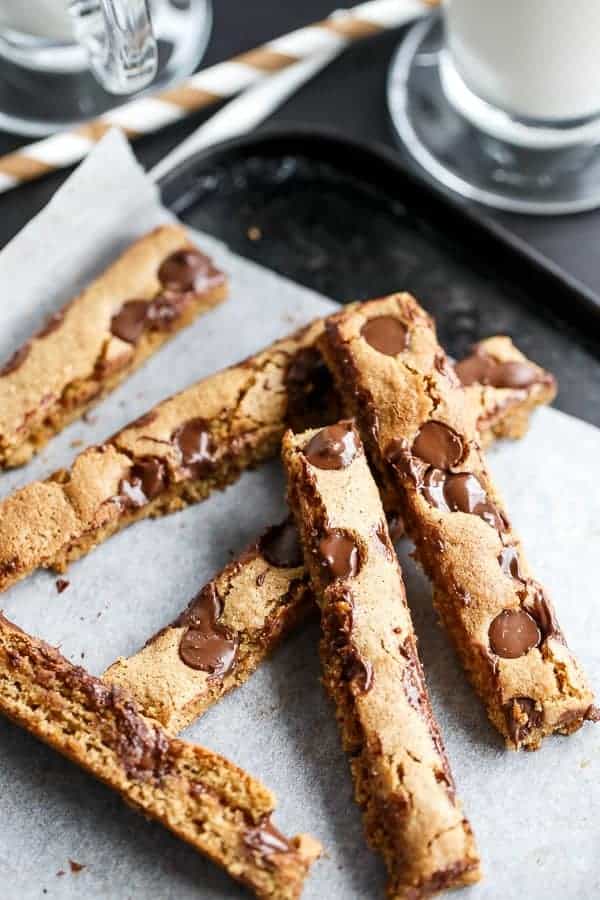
228, 629
195, 442
200, 796
421, 434
265, 593
158, 286
199, 440
371, 668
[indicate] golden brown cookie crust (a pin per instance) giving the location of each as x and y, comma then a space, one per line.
499, 617
100, 337
372, 671
200, 796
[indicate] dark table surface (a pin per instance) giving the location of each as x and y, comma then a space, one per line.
350, 96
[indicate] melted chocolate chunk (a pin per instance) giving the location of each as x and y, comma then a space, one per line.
479, 368
61, 585
186, 270
195, 444
509, 562
333, 447
206, 645
166, 309
147, 478
385, 334
540, 608
281, 547
439, 445
340, 554
311, 397
267, 840
513, 633
16, 360
461, 492
129, 323
521, 716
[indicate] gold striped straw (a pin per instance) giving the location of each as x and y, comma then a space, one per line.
207, 87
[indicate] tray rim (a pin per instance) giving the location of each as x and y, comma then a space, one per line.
583, 308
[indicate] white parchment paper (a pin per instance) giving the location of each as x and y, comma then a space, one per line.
536, 816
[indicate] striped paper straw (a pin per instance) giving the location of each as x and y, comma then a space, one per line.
207, 87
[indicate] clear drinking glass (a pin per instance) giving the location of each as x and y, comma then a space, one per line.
500, 101
63, 62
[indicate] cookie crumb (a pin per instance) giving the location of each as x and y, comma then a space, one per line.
75, 866
60, 873
62, 584
76, 443
254, 233
89, 419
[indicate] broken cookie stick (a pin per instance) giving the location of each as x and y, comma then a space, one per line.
228, 629
198, 795
159, 285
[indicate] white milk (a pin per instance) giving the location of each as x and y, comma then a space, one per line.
537, 59
39, 18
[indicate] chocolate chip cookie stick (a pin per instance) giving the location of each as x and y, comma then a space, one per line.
160, 284
229, 628
371, 668
421, 434
186, 447
243, 613
201, 797
199, 440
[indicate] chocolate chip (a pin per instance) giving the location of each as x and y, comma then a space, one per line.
17, 359
513, 633
522, 714
195, 444
385, 334
266, 839
281, 547
185, 270
146, 479
340, 554
540, 608
61, 585
129, 322
439, 445
206, 645
509, 562
461, 492
480, 368
165, 309
333, 447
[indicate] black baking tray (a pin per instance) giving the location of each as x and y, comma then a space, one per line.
350, 221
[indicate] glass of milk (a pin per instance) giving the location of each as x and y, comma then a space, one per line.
500, 101
65, 61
